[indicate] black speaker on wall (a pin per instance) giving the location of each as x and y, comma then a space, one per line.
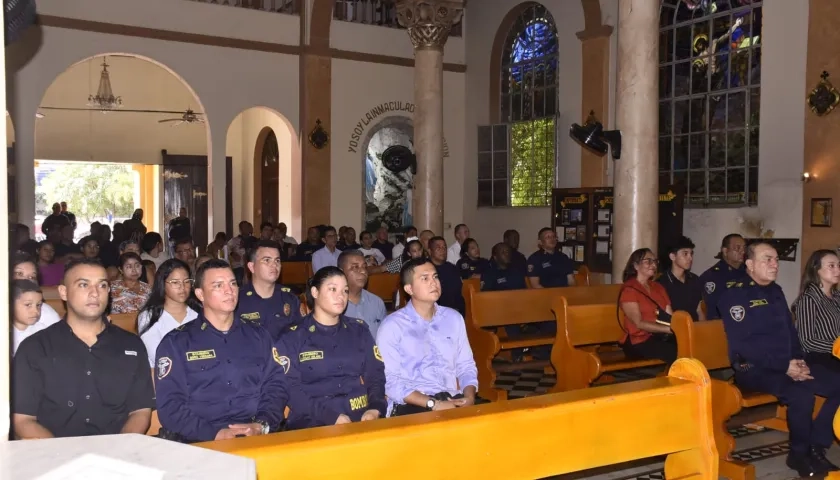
18, 16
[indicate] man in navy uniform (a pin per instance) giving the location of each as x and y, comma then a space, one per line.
547, 267
262, 300
765, 352
724, 273
502, 274
217, 377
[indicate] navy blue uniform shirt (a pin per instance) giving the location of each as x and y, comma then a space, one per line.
469, 267
759, 326
715, 281
206, 380
552, 269
273, 313
450, 287
305, 251
517, 259
496, 279
331, 370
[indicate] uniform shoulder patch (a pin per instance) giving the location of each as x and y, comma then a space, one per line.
164, 366
377, 354
281, 360
737, 313
464, 266
710, 287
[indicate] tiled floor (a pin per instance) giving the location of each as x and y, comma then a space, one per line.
765, 448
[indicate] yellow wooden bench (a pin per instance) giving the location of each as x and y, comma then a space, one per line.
585, 346
550, 435
488, 312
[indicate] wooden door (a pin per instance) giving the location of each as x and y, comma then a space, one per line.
185, 185
270, 181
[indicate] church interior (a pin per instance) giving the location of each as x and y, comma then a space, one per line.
611, 126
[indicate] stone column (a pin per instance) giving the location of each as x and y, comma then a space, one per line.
428, 23
636, 217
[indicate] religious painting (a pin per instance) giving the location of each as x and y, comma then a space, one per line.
820, 212
388, 194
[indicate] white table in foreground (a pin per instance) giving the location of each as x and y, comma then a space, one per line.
118, 457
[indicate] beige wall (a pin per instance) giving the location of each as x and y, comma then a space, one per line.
488, 224
355, 91
121, 137
242, 144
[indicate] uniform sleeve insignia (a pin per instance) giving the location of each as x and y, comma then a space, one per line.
311, 328
286, 289
377, 354
530, 268
710, 287
737, 313
164, 366
287, 309
464, 266
282, 361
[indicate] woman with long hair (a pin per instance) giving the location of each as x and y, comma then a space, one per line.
647, 310
50, 271
170, 305
334, 372
817, 309
129, 294
471, 265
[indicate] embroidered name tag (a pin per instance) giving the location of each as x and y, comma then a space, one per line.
758, 303
358, 402
314, 355
250, 316
201, 355
131, 352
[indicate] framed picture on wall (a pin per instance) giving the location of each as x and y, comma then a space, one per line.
821, 212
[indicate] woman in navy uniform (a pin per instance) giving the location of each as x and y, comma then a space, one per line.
334, 372
471, 265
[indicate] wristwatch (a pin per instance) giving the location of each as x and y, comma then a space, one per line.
264, 424
430, 403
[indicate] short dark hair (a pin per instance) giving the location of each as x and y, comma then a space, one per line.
346, 255
252, 254
128, 256
318, 279
80, 262
407, 270
459, 227
150, 241
365, 232
436, 238
752, 246
681, 243
728, 239
19, 287
543, 230
409, 228
266, 224
324, 229
510, 232
183, 241
466, 246
212, 264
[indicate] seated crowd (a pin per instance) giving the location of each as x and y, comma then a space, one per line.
234, 353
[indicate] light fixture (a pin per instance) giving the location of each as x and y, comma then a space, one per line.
806, 177
594, 138
105, 99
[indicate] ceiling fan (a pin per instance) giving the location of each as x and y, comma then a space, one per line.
188, 116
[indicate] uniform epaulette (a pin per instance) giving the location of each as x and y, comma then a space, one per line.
180, 328
359, 320
293, 328
285, 289
716, 268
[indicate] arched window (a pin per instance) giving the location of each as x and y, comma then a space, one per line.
709, 91
528, 104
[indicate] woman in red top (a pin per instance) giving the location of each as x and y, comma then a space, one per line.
641, 300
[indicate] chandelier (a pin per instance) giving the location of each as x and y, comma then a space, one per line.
104, 99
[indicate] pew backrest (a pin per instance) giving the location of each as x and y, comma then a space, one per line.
590, 324
384, 285
295, 273
704, 341
126, 321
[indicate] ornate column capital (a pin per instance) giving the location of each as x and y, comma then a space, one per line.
429, 21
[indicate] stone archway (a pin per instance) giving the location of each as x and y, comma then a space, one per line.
386, 195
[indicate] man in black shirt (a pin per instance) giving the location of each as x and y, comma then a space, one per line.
382, 244
70, 215
179, 227
502, 274
517, 259
55, 221
450, 277
312, 244
683, 287
548, 268
83, 375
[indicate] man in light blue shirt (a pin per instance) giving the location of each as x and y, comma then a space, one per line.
425, 348
361, 304
328, 255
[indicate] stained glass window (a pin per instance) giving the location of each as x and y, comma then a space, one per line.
523, 175
709, 92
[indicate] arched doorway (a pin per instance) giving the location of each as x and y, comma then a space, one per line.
387, 194
126, 110
269, 165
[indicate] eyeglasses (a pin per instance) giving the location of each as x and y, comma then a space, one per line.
180, 283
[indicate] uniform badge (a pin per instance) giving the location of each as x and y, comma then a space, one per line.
164, 366
311, 328
377, 354
710, 287
530, 268
282, 361
464, 266
737, 313
287, 309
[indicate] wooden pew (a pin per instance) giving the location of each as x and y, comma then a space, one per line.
706, 342
296, 274
581, 277
583, 330
126, 321
384, 285
487, 312
554, 434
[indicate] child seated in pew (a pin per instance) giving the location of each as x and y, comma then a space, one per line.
26, 311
